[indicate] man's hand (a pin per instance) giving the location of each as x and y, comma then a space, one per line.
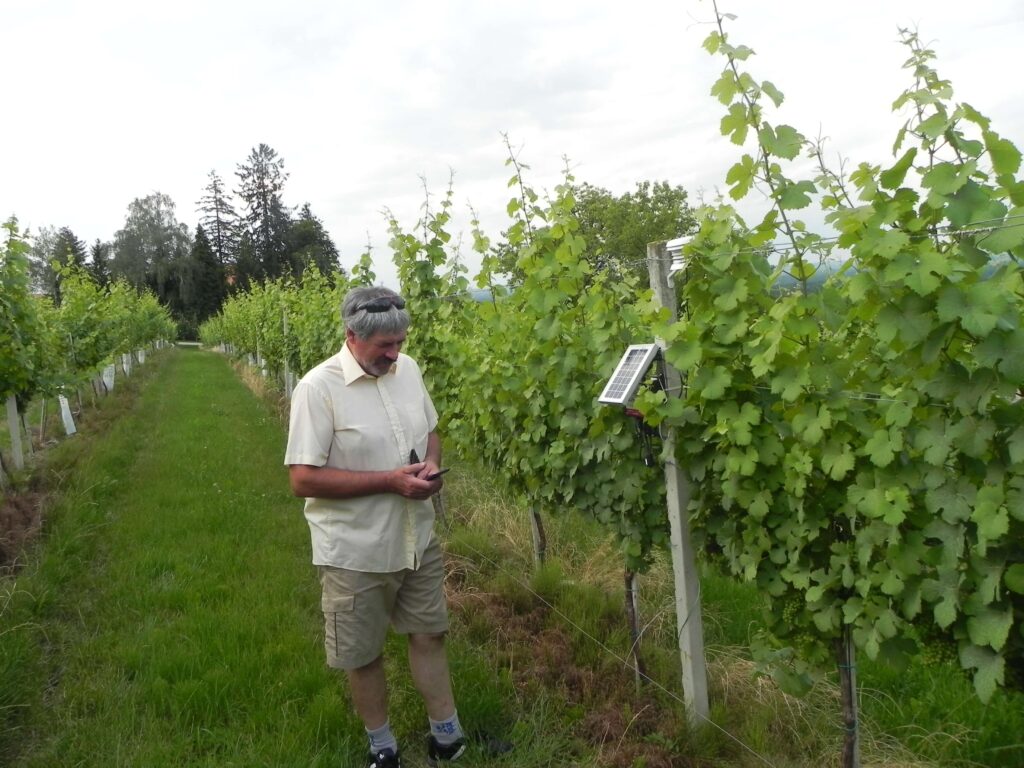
410, 481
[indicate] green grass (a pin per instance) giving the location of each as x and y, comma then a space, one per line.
174, 605
171, 618
924, 715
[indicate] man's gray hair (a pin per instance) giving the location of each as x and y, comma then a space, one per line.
364, 323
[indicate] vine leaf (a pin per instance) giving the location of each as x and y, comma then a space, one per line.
989, 669
893, 177
1014, 578
1005, 156
990, 627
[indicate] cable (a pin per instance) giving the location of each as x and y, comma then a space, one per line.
613, 653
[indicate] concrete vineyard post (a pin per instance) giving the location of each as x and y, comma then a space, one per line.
689, 623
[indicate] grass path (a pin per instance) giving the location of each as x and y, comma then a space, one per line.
187, 630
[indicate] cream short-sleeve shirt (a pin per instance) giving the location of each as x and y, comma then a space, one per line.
343, 417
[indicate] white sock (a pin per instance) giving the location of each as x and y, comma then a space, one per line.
446, 731
382, 739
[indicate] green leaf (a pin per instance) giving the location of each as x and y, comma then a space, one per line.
948, 501
741, 176
1014, 578
789, 382
894, 176
879, 448
934, 126
810, 423
783, 141
989, 666
741, 461
924, 279
978, 309
944, 178
891, 242
971, 204
899, 414
772, 93
711, 383
729, 293
1007, 234
946, 609
1015, 446
795, 195
741, 52
990, 627
837, 460
735, 124
873, 503
725, 88
684, 353
990, 515
1005, 156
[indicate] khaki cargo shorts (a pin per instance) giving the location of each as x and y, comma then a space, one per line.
358, 608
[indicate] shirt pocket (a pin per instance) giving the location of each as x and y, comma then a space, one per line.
362, 438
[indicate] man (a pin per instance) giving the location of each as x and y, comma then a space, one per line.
359, 423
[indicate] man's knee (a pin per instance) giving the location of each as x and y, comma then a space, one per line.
427, 641
367, 668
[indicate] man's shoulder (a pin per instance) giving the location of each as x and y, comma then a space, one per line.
409, 363
324, 373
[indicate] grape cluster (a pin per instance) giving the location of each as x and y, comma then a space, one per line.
791, 612
939, 652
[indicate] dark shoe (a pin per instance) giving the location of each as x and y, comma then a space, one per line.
387, 759
448, 753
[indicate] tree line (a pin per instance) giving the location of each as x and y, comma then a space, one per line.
249, 235
243, 236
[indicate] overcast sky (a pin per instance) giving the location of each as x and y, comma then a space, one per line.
108, 101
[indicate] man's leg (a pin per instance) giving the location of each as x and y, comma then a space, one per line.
428, 662
369, 693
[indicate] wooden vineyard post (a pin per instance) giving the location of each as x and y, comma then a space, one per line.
540, 539
845, 658
288, 386
28, 434
42, 422
689, 623
633, 616
14, 426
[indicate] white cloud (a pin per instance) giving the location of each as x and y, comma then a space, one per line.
109, 101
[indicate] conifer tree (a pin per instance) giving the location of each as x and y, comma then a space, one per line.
261, 181
220, 220
202, 284
310, 245
99, 262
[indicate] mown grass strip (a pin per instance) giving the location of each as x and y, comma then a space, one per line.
180, 609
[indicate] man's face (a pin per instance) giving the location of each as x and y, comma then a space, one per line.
378, 353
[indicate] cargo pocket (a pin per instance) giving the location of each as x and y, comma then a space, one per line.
337, 610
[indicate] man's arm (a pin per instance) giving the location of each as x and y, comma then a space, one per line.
330, 483
410, 481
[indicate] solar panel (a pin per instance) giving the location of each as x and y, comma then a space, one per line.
628, 374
